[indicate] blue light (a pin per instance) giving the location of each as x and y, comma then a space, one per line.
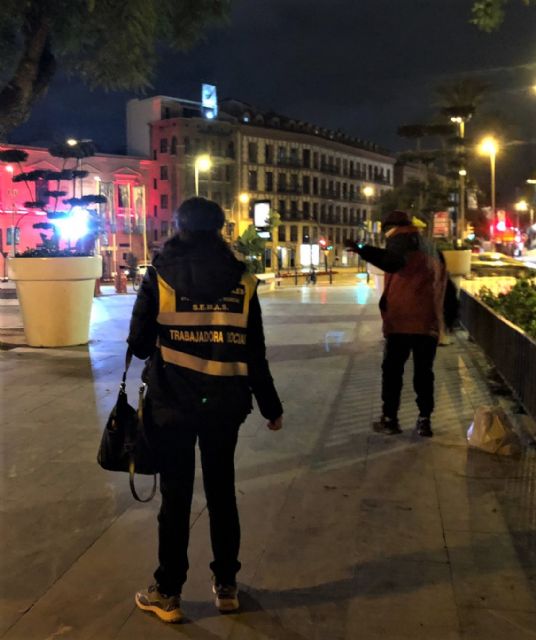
209, 115
75, 226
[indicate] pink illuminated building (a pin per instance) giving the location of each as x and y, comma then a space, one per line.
128, 212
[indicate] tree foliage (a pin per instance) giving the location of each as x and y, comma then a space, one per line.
110, 44
488, 15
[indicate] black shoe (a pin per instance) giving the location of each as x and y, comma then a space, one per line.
424, 427
389, 426
167, 608
226, 596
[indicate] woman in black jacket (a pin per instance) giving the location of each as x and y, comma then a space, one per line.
197, 317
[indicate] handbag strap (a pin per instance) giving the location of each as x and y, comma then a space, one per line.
128, 360
131, 462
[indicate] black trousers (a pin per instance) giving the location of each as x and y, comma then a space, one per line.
398, 347
176, 451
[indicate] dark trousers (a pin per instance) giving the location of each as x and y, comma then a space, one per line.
398, 347
176, 450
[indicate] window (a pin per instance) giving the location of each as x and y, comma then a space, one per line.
269, 181
351, 168
173, 150
269, 153
294, 156
344, 190
282, 208
187, 145
315, 211
154, 154
281, 233
306, 157
294, 232
281, 154
293, 207
268, 258
389, 176
164, 199
155, 211
155, 183
306, 184
282, 182
338, 236
294, 182
315, 160
306, 211
164, 228
163, 172
323, 213
315, 186
345, 167
252, 180
163, 145
252, 152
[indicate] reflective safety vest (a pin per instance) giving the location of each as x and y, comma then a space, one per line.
209, 338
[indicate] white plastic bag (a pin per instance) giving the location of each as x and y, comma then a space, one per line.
492, 431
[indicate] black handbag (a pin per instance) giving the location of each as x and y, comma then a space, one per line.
124, 444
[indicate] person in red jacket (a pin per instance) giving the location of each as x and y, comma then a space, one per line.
411, 307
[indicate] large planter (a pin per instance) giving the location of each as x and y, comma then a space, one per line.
55, 296
458, 262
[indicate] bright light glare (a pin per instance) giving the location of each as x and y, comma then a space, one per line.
488, 146
72, 142
9, 168
203, 163
368, 192
522, 205
75, 226
244, 198
462, 172
501, 225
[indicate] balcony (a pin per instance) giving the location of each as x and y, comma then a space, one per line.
290, 189
330, 168
289, 162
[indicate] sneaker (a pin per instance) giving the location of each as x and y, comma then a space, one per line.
226, 596
167, 608
388, 426
424, 427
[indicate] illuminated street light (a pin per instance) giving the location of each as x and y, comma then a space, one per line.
521, 205
9, 168
202, 163
244, 198
489, 147
462, 172
72, 142
368, 192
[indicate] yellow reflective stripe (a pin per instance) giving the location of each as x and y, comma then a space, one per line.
250, 283
209, 367
202, 319
166, 296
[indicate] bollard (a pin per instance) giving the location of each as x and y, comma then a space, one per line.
331, 276
120, 282
97, 292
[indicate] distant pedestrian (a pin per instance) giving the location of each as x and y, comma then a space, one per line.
197, 317
412, 308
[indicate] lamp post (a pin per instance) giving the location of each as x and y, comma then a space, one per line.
202, 163
368, 192
461, 218
240, 200
489, 147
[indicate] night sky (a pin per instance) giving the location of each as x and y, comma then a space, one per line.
365, 66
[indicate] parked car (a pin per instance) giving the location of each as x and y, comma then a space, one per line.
492, 263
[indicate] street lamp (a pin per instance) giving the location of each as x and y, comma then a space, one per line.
461, 219
489, 147
202, 163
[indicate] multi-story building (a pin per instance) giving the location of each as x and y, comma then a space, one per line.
322, 183
124, 180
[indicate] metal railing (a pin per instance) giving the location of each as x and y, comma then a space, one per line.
511, 350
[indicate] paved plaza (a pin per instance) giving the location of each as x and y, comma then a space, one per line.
347, 534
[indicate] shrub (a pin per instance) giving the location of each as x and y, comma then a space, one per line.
518, 305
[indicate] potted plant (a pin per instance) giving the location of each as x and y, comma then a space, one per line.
55, 281
457, 257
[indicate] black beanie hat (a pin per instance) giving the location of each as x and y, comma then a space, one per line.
396, 219
200, 214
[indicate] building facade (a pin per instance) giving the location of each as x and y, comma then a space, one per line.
123, 180
322, 184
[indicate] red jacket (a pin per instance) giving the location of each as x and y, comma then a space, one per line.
415, 282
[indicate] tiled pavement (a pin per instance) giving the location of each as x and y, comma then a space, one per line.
346, 534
